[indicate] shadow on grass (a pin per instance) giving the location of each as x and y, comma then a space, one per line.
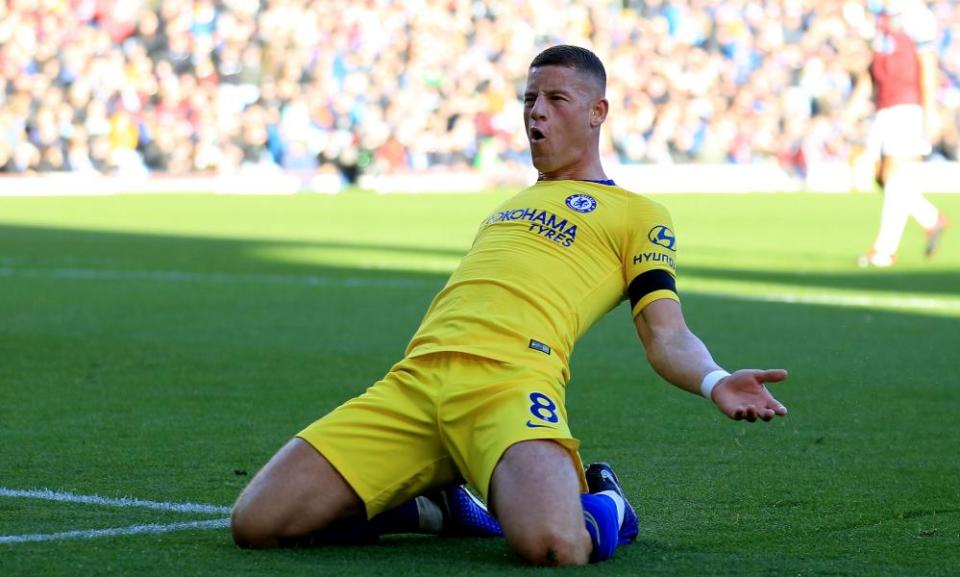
213, 381
38, 246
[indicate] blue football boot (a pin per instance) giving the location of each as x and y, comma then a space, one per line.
600, 477
463, 514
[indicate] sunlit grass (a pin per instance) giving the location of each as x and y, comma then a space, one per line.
163, 347
776, 247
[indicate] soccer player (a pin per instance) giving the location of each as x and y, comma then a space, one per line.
903, 78
480, 393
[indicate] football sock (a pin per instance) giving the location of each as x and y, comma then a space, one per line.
618, 501
468, 518
354, 530
600, 515
430, 516
893, 216
418, 515
414, 516
926, 215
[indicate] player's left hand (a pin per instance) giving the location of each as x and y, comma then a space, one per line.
743, 396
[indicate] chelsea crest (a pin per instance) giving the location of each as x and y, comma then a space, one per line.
582, 202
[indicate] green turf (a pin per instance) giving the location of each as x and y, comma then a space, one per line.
162, 347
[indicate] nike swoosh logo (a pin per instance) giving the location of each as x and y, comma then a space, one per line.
533, 425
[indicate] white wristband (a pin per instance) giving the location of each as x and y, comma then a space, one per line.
710, 381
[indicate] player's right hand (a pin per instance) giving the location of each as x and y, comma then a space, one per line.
744, 396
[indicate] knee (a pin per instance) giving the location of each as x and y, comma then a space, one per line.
249, 530
550, 546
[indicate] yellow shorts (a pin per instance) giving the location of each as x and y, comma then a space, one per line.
435, 418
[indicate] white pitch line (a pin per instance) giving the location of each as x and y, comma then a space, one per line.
844, 300
48, 495
114, 531
862, 301
866, 301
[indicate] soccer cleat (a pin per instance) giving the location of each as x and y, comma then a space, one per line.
934, 234
463, 514
874, 259
600, 477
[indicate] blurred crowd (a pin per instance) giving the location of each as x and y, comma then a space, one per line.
382, 86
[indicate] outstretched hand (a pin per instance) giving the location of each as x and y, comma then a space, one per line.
743, 396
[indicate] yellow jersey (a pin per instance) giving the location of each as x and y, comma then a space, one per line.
544, 267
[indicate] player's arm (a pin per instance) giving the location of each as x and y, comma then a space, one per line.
681, 358
920, 25
927, 60
858, 105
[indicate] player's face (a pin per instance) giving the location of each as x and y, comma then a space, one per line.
562, 118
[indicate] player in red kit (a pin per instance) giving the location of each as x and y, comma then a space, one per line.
903, 75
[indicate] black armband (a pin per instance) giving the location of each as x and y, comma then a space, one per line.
648, 282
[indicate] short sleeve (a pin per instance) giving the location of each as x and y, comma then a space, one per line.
650, 254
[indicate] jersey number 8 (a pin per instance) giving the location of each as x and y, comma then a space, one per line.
543, 408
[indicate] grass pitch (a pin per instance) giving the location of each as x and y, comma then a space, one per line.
163, 347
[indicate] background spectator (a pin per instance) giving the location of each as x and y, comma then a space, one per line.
180, 86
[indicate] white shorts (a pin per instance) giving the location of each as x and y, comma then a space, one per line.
898, 131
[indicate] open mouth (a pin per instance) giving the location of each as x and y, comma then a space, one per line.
536, 135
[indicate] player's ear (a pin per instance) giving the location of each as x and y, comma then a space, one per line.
599, 112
